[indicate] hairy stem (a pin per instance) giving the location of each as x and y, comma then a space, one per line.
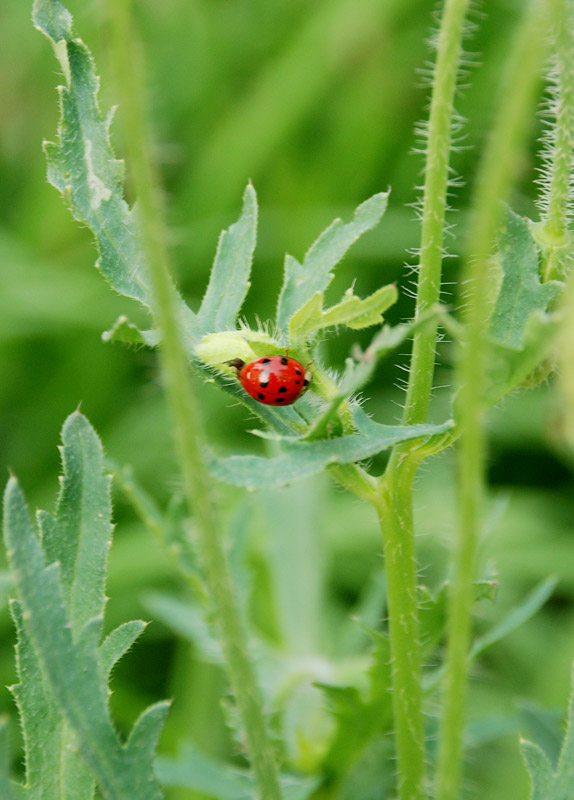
434, 208
184, 408
552, 232
498, 169
396, 486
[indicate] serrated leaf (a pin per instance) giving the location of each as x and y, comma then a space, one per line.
229, 280
78, 537
63, 693
126, 332
82, 165
352, 311
301, 459
302, 281
521, 293
200, 773
40, 718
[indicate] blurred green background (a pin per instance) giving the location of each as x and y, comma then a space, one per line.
315, 101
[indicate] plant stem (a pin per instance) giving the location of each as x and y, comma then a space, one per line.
552, 232
434, 208
497, 171
395, 515
184, 408
396, 486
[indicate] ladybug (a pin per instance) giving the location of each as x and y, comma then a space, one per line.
273, 380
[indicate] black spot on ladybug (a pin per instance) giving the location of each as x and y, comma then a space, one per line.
266, 361
261, 396
298, 382
284, 360
279, 399
282, 389
298, 372
264, 384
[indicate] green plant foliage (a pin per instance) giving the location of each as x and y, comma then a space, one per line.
549, 783
521, 292
229, 281
521, 328
193, 770
63, 668
302, 459
302, 281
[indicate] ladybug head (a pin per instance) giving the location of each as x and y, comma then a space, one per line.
237, 363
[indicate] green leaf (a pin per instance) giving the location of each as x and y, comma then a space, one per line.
515, 618
196, 771
118, 642
521, 292
82, 165
351, 311
359, 716
63, 694
548, 784
508, 367
40, 718
79, 535
360, 371
126, 332
229, 280
188, 620
302, 281
5, 784
301, 459
540, 770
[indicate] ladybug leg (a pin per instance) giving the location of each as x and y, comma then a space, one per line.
237, 363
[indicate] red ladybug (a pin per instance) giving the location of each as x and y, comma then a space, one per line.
273, 380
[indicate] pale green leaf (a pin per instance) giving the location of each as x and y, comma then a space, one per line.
82, 165
300, 459
521, 292
302, 281
352, 311
200, 773
229, 280
188, 620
